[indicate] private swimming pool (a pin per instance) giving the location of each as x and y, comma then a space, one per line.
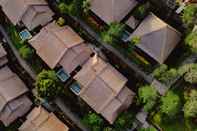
25, 35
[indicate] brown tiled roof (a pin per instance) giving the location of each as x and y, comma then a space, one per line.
157, 38
15, 109
112, 10
13, 103
53, 42
11, 86
40, 120
27, 12
103, 88
75, 56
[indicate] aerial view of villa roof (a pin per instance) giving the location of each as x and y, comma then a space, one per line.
104, 88
31, 13
41, 120
98, 65
14, 102
60, 45
157, 38
112, 10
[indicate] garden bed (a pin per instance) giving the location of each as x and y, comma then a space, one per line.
34, 61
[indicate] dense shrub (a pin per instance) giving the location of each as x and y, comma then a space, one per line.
170, 104
190, 106
93, 121
189, 71
164, 74
189, 15
26, 52
141, 11
60, 21
74, 7
191, 41
147, 96
124, 121
114, 31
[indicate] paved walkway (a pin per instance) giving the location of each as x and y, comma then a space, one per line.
71, 115
22, 62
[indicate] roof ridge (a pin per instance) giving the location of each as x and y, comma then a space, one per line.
61, 41
164, 42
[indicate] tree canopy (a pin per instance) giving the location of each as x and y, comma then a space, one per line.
170, 104
74, 7
26, 52
191, 41
190, 72
147, 96
47, 84
93, 121
124, 121
190, 106
189, 15
113, 32
164, 74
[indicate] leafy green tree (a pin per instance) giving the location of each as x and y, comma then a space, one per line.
134, 41
170, 104
190, 72
190, 106
147, 96
86, 6
63, 8
189, 15
26, 52
164, 74
191, 41
160, 70
114, 31
47, 84
93, 121
75, 7
141, 11
124, 121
